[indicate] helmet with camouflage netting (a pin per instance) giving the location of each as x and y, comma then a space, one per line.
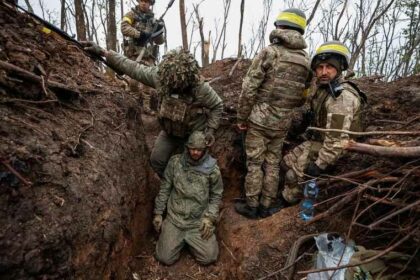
178, 70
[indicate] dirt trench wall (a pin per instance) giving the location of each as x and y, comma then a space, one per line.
85, 158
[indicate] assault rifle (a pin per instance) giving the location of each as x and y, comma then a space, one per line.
64, 35
154, 32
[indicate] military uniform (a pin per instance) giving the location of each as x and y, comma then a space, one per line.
341, 112
180, 113
190, 192
133, 24
272, 88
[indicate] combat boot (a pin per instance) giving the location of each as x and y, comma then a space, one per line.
275, 207
246, 210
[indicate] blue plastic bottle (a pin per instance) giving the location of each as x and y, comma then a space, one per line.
307, 205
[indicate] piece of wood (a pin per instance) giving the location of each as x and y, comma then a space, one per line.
405, 152
416, 132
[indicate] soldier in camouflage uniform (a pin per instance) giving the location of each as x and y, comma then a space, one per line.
142, 35
186, 103
273, 87
336, 104
191, 193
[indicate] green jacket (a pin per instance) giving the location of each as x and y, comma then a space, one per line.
203, 107
190, 191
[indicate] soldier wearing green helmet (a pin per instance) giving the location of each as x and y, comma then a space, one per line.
273, 87
335, 104
191, 193
186, 102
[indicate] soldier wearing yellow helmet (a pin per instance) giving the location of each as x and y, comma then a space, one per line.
273, 87
335, 104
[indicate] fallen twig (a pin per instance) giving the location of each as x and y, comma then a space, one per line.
408, 207
17, 174
235, 66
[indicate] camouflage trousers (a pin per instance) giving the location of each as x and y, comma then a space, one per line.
173, 239
296, 162
164, 147
145, 92
263, 151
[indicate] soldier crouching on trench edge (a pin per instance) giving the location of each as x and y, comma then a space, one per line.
142, 35
190, 192
186, 103
273, 87
335, 104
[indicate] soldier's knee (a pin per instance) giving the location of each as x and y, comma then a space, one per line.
165, 257
209, 257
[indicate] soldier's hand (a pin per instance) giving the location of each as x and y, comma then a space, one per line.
93, 48
242, 126
206, 228
313, 170
143, 38
157, 222
209, 137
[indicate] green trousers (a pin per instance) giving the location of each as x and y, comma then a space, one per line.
173, 239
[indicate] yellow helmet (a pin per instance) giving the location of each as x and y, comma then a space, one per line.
332, 50
292, 18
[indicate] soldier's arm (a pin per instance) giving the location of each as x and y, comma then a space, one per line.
145, 74
127, 26
215, 194
166, 185
252, 81
212, 101
340, 114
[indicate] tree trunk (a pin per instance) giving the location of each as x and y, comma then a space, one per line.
112, 27
183, 24
80, 21
240, 28
63, 15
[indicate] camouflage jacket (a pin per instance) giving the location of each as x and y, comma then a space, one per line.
276, 81
203, 107
343, 112
190, 191
133, 23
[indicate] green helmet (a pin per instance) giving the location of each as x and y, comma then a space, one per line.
332, 50
197, 140
152, 2
178, 70
292, 18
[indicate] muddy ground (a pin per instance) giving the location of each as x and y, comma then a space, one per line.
76, 190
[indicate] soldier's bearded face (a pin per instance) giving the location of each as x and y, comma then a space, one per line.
144, 5
196, 154
325, 73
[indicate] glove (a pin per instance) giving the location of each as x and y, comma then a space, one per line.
93, 48
157, 222
209, 137
206, 228
142, 39
159, 25
313, 170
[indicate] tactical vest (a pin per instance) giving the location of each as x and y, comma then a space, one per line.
318, 107
285, 84
176, 112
